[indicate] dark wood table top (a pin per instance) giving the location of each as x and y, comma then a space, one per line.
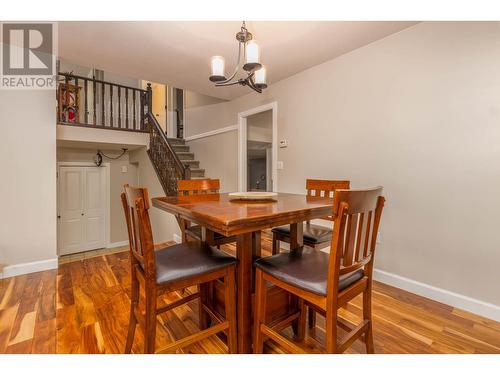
228, 217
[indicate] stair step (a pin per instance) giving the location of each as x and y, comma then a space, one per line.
197, 172
176, 141
185, 155
192, 163
180, 148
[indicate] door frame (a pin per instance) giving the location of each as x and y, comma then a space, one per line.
242, 144
171, 116
107, 195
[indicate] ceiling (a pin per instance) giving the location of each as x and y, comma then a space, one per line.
178, 53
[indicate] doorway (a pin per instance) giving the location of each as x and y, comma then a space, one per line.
159, 104
179, 113
82, 207
257, 167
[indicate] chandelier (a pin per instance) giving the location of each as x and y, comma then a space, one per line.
249, 60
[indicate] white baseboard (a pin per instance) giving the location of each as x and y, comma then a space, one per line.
177, 238
24, 268
460, 301
112, 245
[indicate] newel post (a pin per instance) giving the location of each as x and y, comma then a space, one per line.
149, 102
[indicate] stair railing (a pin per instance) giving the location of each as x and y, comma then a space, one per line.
93, 103
169, 168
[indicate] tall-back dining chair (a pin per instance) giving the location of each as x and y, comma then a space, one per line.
169, 269
315, 236
199, 187
327, 281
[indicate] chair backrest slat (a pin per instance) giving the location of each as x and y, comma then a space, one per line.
196, 187
356, 219
135, 203
325, 188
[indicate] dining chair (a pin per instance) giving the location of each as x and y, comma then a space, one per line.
315, 236
327, 281
199, 187
170, 269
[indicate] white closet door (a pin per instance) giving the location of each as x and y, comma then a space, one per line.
94, 222
71, 237
82, 214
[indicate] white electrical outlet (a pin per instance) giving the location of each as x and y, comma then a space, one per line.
279, 165
379, 237
124, 169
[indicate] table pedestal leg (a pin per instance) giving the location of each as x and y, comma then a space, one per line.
244, 249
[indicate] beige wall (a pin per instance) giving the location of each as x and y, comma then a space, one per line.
194, 99
164, 225
28, 184
417, 112
218, 156
118, 228
199, 114
260, 127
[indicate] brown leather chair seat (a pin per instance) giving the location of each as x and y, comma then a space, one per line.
313, 233
188, 259
306, 269
195, 232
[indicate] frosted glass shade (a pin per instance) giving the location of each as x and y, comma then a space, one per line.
252, 56
218, 66
260, 76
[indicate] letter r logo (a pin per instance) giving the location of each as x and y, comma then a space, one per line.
27, 49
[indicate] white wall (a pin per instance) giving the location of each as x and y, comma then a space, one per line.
419, 113
28, 186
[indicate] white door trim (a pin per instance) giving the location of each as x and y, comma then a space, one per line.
242, 144
107, 179
171, 131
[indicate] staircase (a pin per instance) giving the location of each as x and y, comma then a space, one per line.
187, 157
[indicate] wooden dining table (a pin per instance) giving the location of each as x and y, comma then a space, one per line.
217, 213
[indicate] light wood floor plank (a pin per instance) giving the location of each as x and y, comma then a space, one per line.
83, 307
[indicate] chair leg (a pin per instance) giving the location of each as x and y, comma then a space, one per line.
276, 244
134, 299
202, 314
150, 322
311, 317
301, 324
367, 315
331, 331
230, 306
260, 312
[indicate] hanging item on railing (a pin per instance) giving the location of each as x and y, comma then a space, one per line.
255, 71
100, 154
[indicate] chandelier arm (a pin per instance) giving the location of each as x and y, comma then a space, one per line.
251, 84
235, 69
228, 83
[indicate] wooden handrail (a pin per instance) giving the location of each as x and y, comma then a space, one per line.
71, 75
167, 164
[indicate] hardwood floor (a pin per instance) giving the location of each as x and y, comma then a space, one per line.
83, 307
